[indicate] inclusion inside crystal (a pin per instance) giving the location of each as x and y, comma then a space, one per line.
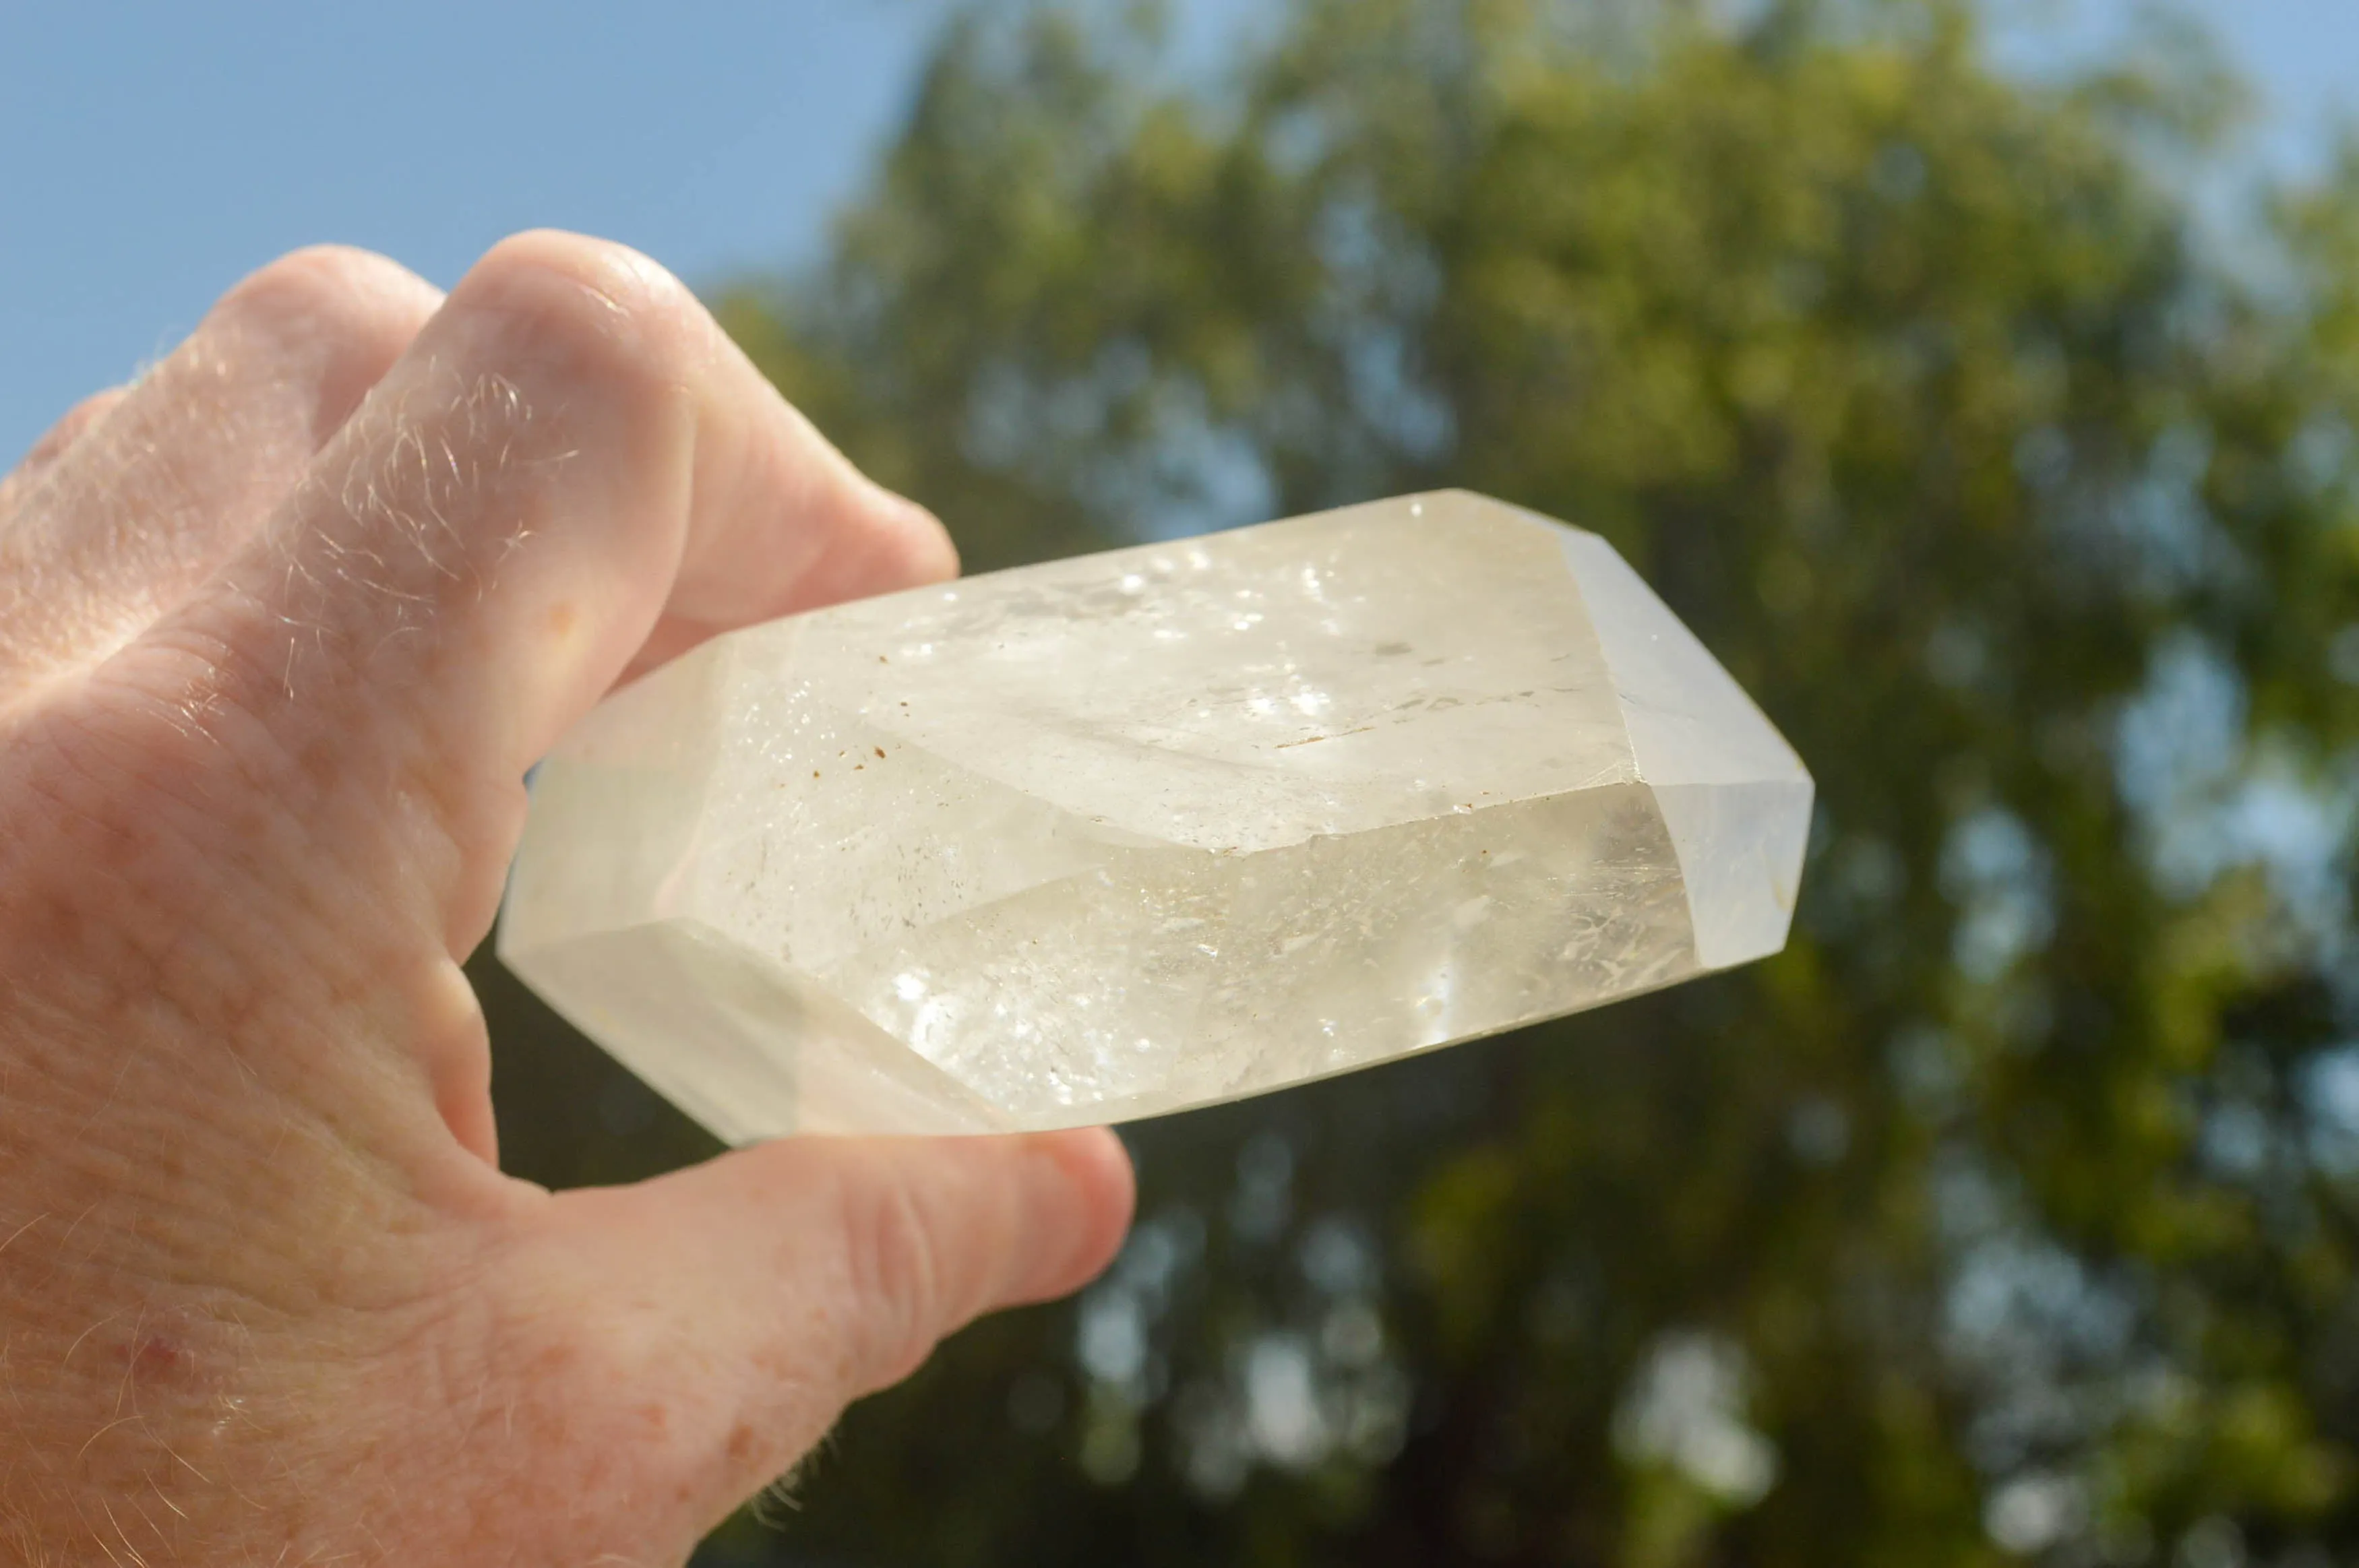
1123, 833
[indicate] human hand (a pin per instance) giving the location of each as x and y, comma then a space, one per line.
281, 628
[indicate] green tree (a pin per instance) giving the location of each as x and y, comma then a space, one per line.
2010, 1212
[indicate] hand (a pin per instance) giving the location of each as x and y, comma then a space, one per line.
281, 628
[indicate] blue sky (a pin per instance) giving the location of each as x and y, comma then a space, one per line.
152, 154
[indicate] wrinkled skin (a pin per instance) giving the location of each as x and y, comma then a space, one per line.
281, 628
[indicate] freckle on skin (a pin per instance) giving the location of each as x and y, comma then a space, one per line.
161, 1361
562, 620
741, 1441
158, 1359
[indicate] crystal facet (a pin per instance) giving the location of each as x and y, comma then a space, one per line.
1137, 831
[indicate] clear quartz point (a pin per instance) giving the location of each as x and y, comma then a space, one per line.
1137, 831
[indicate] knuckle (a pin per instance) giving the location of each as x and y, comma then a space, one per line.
895, 1281
321, 289
594, 306
74, 424
47, 452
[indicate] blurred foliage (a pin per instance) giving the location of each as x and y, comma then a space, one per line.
2013, 1213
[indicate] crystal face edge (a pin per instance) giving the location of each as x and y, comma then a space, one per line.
745, 1047
1734, 793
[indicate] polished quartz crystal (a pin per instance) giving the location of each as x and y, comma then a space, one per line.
1132, 832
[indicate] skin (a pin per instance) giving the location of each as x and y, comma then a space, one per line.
281, 628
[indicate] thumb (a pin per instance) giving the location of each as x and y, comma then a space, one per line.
732, 1310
